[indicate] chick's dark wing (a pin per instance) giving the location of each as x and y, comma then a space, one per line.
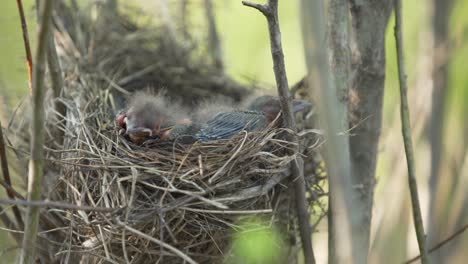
226, 125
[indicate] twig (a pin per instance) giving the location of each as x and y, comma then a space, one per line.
11, 189
27, 47
159, 242
214, 42
9, 224
406, 131
28, 251
53, 204
270, 11
301, 83
6, 176
441, 243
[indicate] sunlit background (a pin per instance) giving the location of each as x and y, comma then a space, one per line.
247, 58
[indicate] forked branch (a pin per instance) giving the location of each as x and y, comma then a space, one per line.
270, 11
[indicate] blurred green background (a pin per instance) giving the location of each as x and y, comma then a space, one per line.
247, 57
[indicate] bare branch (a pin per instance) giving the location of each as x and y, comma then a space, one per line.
6, 176
270, 11
441, 243
214, 40
262, 8
27, 47
53, 204
406, 130
28, 252
11, 189
9, 224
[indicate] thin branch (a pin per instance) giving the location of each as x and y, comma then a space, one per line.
6, 176
406, 131
183, 11
441, 243
11, 189
27, 47
28, 252
270, 11
9, 224
53, 204
164, 13
297, 86
56, 78
214, 41
262, 8
440, 76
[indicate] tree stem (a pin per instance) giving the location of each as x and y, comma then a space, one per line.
270, 11
406, 131
28, 252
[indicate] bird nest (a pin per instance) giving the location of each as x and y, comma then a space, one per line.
162, 201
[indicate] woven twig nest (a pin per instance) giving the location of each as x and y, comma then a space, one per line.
185, 197
168, 202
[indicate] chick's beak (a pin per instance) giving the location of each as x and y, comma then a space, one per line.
301, 105
139, 135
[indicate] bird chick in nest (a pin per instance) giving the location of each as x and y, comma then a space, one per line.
260, 114
151, 117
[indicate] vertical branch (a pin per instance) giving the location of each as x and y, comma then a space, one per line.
406, 130
165, 15
214, 42
440, 28
270, 11
333, 115
369, 22
28, 251
6, 176
27, 47
56, 77
183, 11
338, 15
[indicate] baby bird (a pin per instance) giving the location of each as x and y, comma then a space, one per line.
150, 117
260, 114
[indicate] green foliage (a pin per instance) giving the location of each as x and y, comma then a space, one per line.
256, 242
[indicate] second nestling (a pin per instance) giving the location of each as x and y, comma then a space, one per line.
150, 117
